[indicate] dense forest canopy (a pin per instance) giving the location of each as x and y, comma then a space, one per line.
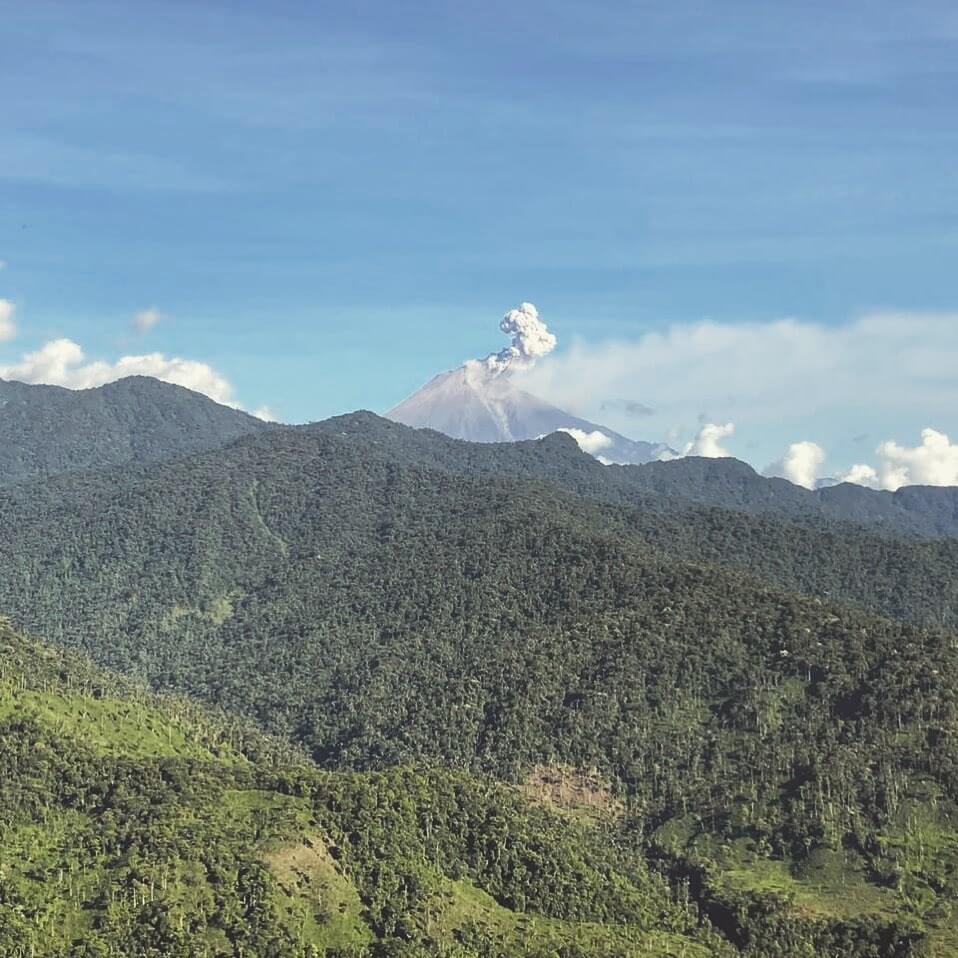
48, 430
760, 698
135, 824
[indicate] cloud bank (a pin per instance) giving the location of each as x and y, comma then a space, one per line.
8, 329
933, 462
62, 362
881, 374
763, 373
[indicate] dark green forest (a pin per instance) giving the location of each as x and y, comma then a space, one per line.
496, 703
49, 430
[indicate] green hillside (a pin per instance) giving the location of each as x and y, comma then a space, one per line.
697, 718
49, 430
132, 824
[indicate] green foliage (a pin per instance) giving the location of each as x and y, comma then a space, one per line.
394, 615
48, 430
166, 844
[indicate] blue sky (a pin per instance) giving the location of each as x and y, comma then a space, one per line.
329, 203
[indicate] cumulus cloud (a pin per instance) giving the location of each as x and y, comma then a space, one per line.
591, 442
861, 474
8, 328
708, 442
801, 464
146, 319
932, 463
61, 362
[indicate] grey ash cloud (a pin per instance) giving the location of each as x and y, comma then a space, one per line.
631, 407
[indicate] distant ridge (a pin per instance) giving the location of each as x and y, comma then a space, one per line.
927, 511
48, 430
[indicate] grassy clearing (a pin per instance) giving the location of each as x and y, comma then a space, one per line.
110, 727
316, 898
464, 912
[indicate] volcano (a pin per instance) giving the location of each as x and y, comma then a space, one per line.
479, 402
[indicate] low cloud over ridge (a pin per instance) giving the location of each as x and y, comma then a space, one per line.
801, 464
882, 374
62, 362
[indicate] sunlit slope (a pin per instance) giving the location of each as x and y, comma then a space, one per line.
130, 824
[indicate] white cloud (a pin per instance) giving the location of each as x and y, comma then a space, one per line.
61, 362
887, 370
591, 442
8, 329
146, 319
861, 474
3, 264
801, 464
933, 463
708, 442
265, 413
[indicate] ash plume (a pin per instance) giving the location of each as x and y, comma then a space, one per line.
531, 340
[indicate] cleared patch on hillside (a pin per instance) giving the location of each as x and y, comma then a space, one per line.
316, 897
579, 791
110, 726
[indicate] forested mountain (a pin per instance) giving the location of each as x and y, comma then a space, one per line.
727, 483
132, 824
770, 700
46, 430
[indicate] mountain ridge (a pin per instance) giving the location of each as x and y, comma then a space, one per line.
46, 430
927, 511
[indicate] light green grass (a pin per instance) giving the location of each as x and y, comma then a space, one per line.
315, 898
110, 727
461, 906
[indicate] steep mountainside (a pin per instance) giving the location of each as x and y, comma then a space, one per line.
344, 591
132, 824
477, 405
46, 430
784, 753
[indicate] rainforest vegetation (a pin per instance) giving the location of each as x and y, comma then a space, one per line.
466, 702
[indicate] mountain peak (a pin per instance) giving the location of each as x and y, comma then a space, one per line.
46, 430
480, 402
